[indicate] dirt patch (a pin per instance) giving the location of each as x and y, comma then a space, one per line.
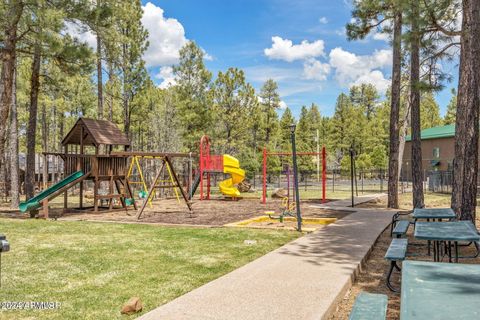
372, 277
217, 212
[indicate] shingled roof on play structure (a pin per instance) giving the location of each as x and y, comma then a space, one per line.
96, 132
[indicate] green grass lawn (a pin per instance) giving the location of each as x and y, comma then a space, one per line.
91, 269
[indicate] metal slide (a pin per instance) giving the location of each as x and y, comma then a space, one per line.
51, 192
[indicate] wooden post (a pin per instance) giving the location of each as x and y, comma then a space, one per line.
95, 183
264, 193
79, 167
184, 195
65, 194
152, 188
45, 208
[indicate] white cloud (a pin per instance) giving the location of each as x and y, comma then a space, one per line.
80, 31
283, 105
323, 20
341, 32
166, 36
376, 78
167, 76
206, 56
314, 69
351, 68
284, 49
381, 36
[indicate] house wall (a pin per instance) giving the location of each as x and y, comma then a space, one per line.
446, 147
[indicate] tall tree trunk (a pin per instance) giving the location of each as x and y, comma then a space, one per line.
14, 170
417, 170
99, 78
126, 115
465, 163
44, 146
395, 111
110, 90
8, 56
32, 124
403, 134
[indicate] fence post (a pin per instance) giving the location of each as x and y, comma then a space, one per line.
264, 171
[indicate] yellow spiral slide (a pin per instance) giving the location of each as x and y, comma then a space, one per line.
231, 166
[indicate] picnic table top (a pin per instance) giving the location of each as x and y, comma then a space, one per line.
446, 231
432, 290
433, 213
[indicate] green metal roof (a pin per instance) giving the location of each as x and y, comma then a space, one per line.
436, 133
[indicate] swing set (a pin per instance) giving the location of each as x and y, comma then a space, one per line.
323, 156
172, 182
136, 176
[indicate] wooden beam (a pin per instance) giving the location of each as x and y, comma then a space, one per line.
152, 154
184, 195
152, 187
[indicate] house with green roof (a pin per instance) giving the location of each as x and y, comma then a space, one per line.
438, 150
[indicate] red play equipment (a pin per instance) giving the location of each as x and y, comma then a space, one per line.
210, 164
264, 171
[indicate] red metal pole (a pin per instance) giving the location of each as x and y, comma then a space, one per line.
208, 186
201, 170
324, 174
264, 193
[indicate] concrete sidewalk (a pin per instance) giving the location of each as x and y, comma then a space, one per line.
348, 202
301, 280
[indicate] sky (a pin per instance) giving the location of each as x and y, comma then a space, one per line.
300, 44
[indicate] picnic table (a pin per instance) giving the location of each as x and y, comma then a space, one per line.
452, 231
433, 213
439, 291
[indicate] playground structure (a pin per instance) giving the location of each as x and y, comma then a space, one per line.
288, 174
210, 164
137, 176
165, 164
89, 156
80, 164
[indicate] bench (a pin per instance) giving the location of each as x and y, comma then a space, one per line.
396, 252
401, 228
369, 306
396, 218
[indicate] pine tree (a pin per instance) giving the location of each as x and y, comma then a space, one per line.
451, 109
270, 102
371, 15
233, 100
286, 120
429, 111
465, 164
195, 96
12, 13
133, 42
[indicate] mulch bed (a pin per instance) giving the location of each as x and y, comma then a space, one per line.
215, 212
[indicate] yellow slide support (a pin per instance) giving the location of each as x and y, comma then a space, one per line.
231, 166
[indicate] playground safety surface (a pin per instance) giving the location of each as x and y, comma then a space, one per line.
215, 213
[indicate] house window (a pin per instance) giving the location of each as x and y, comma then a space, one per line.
436, 152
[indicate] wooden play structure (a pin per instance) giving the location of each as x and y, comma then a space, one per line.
97, 152
165, 164
88, 148
136, 174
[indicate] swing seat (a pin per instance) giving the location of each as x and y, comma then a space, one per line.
269, 213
